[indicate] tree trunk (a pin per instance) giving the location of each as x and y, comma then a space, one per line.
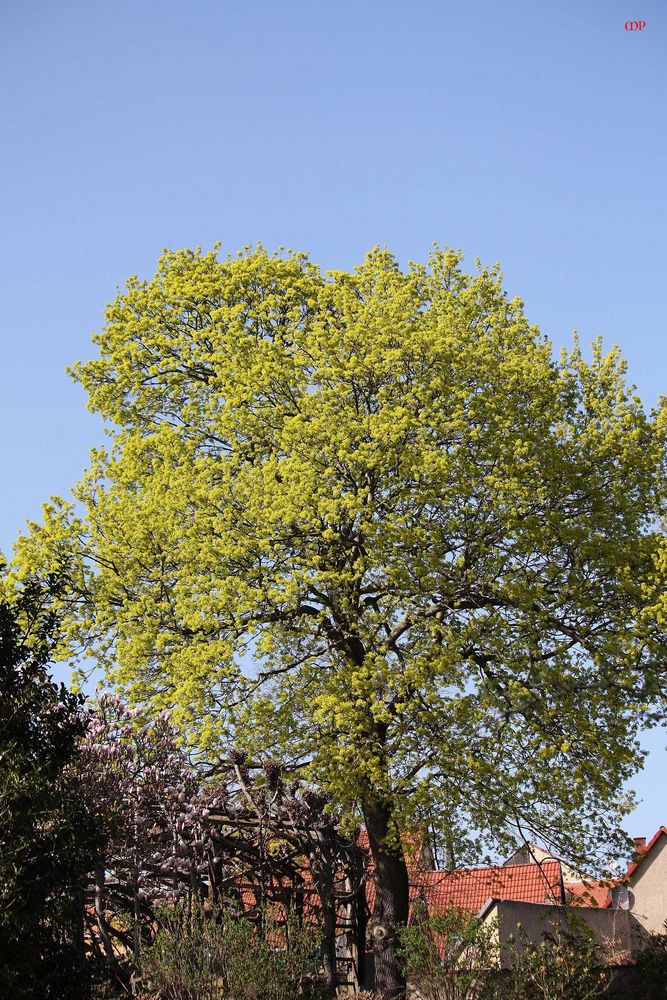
329, 946
102, 924
391, 899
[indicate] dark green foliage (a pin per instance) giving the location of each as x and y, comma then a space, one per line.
651, 968
46, 840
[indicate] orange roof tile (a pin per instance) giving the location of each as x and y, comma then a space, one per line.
588, 893
470, 889
413, 845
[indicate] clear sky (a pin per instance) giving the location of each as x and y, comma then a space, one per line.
531, 132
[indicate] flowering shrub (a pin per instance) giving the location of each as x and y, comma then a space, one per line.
449, 956
564, 965
138, 781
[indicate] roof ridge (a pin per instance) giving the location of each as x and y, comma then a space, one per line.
531, 865
641, 854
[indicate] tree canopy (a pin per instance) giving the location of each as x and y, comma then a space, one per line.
370, 521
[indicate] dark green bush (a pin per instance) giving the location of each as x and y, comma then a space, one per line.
650, 962
47, 839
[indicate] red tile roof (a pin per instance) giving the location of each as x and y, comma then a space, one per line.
413, 845
531, 883
588, 893
470, 889
599, 893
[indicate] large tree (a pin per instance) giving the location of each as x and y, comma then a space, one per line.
371, 521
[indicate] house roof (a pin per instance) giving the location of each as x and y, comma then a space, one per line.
469, 889
537, 881
599, 893
413, 846
643, 852
589, 893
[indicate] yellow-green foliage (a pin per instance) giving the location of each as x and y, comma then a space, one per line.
438, 542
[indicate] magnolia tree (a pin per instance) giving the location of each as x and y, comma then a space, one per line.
137, 780
107, 826
369, 522
243, 842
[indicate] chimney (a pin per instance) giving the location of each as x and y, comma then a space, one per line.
640, 847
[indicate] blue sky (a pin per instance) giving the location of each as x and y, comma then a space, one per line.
533, 133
